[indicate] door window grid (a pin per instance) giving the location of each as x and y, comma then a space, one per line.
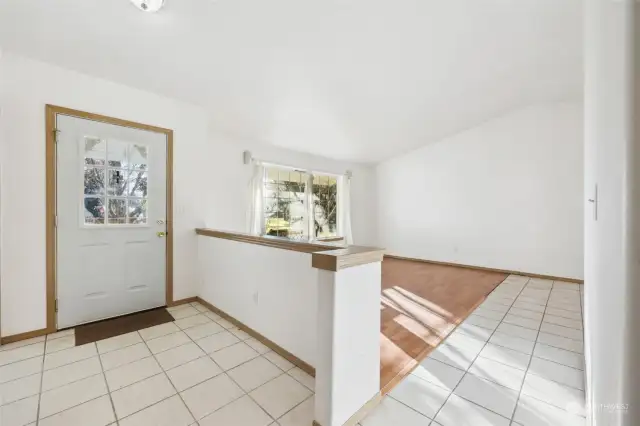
115, 182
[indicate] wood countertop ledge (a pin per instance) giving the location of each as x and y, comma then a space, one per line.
325, 255
347, 257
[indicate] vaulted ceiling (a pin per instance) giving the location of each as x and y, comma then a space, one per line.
350, 79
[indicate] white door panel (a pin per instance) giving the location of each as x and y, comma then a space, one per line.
111, 204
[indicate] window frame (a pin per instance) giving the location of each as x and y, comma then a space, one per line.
310, 206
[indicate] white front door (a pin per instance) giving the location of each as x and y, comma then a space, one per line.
111, 208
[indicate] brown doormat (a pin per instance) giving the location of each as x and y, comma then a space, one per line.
95, 331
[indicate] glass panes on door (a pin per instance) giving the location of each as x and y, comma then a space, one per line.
94, 151
115, 182
94, 211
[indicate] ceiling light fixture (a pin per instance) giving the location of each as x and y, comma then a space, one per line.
148, 5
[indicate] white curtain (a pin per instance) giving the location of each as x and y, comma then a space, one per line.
345, 204
256, 200
309, 206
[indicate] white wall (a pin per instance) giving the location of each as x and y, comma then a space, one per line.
228, 181
612, 244
348, 354
506, 194
257, 285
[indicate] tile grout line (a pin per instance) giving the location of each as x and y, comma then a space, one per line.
74, 406
102, 372
3, 348
144, 408
564, 326
295, 406
104, 377
525, 371
99, 354
206, 355
231, 378
280, 375
531, 356
584, 374
260, 355
250, 397
553, 406
411, 408
41, 380
93, 375
169, 379
75, 381
464, 371
62, 366
58, 387
547, 344
564, 349
548, 332
294, 378
515, 408
152, 355
23, 359
44, 354
450, 393
163, 371
552, 307
476, 357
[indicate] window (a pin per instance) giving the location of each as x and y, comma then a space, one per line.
115, 182
299, 205
325, 206
285, 210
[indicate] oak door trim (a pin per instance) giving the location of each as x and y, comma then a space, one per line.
51, 112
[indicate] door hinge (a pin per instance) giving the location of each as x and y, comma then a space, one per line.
55, 135
56, 305
55, 221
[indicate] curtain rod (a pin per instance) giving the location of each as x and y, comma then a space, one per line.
248, 159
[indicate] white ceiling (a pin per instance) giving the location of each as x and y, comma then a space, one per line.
360, 80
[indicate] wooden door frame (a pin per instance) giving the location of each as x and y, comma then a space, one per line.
52, 112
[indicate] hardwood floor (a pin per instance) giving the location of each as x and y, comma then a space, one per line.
422, 304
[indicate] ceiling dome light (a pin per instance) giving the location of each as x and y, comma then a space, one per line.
148, 5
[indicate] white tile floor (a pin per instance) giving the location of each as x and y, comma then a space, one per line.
517, 360
198, 370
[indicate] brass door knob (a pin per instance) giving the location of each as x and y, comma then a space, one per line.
161, 234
